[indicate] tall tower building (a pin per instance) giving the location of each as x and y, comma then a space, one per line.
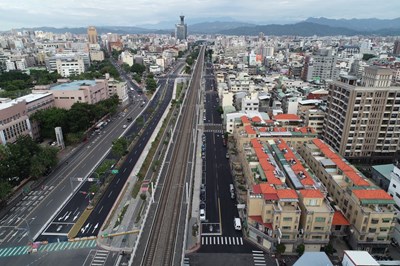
92, 35
362, 122
181, 29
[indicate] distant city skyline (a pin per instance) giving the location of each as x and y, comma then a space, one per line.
76, 13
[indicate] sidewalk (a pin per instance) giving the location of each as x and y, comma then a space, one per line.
193, 242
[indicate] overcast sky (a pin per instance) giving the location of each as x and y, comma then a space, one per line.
73, 13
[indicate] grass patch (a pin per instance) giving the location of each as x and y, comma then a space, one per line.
79, 223
121, 215
140, 211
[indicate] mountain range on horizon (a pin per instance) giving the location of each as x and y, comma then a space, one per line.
311, 26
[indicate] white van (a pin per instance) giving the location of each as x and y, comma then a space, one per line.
237, 224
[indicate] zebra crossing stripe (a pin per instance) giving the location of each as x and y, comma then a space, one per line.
24, 251
16, 250
75, 245
9, 251
64, 245
2, 251
217, 240
202, 240
229, 240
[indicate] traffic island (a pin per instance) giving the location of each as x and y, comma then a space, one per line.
80, 222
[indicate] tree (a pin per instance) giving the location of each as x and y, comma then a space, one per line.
329, 250
5, 189
151, 84
126, 67
137, 78
48, 119
138, 68
280, 248
366, 57
119, 146
300, 249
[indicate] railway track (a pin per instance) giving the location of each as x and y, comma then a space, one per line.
162, 240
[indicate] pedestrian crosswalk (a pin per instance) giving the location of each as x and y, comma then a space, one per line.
67, 245
100, 258
221, 240
258, 258
23, 250
14, 251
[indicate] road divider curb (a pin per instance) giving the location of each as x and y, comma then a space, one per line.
79, 223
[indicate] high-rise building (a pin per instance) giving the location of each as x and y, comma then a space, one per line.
181, 29
363, 122
320, 66
92, 34
396, 48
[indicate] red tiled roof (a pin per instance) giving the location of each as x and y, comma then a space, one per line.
372, 194
249, 129
305, 130
280, 129
269, 121
339, 219
311, 193
260, 154
286, 117
244, 119
255, 143
271, 178
259, 220
265, 165
262, 129
357, 179
256, 119
287, 194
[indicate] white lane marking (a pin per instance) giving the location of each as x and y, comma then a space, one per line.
48, 203
110, 194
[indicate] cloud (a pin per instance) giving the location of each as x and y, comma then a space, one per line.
72, 13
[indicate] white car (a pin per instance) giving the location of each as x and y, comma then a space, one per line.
202, 215
124, 126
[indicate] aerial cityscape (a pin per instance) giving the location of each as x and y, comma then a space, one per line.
200, 133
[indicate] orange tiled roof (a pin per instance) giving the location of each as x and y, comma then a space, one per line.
255, 143
249, 129
339, 219
287, 194
305, 130
357, 179
311, 193
262, 129
269, 121
372, 194
266, 166
286, 117
245, 119
280, 129
271, 178
256, 119
260, 154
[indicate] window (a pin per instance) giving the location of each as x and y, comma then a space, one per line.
393, 185
320, 219
318, 228
386, 220
372, 230
286, 227
287, 219
316, 237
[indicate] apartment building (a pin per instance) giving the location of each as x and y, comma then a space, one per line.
320, 66
119, 88
369, 209
394, 191
363, 122
285, 203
